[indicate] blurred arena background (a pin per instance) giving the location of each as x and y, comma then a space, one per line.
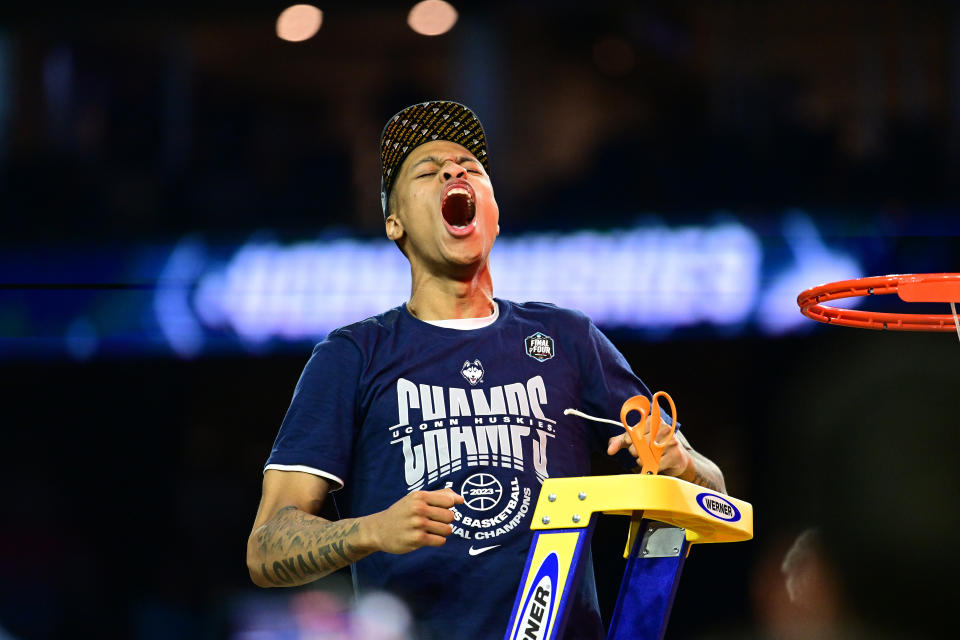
189, 202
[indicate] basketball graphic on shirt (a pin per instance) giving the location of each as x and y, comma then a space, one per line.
481, 491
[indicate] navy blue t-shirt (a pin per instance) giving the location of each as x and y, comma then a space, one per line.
393, 404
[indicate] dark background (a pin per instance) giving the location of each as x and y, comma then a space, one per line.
130, 483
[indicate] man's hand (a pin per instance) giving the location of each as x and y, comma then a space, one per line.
419, 519
674, 461
679, 459
291, 545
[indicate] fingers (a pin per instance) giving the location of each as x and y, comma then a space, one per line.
437, 528
623, 441
664, 437
615, 444
419, 519
675, 460
445, 498
434, 514
431, 509
670, 460
433, 517
427, 533
433, 541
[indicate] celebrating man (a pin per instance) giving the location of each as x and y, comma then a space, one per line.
437, 421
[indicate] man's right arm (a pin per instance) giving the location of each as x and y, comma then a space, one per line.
290, 545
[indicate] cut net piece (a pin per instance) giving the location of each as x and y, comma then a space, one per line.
953, 310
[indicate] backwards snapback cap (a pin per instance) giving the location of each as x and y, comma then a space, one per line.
422, 123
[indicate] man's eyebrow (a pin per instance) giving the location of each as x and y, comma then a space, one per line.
437, 161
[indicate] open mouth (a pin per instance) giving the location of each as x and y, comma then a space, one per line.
459, 208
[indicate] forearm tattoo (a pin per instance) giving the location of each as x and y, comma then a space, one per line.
298, 548
706, 473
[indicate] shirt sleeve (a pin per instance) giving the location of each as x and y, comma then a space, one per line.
317, 433
608, 382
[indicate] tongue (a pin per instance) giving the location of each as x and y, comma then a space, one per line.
458, 210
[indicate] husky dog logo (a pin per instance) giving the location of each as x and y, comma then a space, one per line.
472, 371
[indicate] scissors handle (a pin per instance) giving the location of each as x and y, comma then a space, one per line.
648, 450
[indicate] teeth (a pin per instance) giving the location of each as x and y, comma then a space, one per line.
460, 227
457, 191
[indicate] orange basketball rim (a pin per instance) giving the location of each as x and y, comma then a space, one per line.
920, 287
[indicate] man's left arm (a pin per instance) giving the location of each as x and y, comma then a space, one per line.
608, 380
679, 459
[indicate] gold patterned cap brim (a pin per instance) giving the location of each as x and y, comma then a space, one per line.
422, 123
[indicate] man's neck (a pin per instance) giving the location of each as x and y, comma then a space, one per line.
438, 298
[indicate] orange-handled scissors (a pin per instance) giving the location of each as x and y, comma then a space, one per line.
647, 448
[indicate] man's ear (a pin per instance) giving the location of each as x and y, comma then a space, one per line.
393, 227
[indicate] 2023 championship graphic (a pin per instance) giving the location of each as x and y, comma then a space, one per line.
502, 430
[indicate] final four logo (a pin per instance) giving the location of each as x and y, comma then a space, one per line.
539, 346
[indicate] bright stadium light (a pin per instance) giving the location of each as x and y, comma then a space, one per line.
299, 22
432, 17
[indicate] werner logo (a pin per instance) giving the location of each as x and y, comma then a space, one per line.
718, 507
537, 610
